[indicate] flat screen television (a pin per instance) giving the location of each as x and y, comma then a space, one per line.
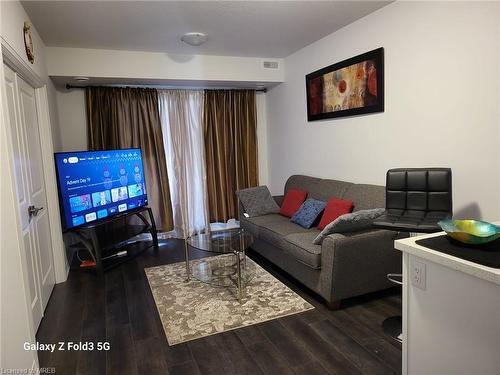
96, 185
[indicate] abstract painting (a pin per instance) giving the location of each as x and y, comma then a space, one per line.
351, 87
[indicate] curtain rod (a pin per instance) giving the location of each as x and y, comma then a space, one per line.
70, 87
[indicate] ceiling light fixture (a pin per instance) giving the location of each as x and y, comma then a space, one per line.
194, 39
81, 79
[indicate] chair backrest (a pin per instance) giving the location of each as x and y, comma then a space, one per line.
419, 189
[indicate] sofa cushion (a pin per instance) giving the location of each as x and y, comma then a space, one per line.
306, 183
365, 196
292, 202
352, 222
300, 246
257, 201
331, 188
317, 188
308, 213
274, 232
253, 224
334, 208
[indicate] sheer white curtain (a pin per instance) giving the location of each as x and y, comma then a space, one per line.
181, 113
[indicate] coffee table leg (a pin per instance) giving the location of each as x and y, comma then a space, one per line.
242, 249
186, 253
238, 268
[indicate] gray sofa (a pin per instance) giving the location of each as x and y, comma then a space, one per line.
345, 265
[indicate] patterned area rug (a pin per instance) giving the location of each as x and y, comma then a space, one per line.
190, 310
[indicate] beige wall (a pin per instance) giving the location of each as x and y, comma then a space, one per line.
441, 103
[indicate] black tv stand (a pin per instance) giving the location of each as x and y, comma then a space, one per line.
105, 239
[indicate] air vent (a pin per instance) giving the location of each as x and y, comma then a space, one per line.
270, 65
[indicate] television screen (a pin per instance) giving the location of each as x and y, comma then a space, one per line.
94, 185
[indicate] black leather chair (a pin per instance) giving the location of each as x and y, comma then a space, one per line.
416, 200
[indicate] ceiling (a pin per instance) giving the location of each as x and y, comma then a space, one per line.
234, 28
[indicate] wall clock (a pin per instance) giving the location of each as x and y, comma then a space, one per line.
28, 42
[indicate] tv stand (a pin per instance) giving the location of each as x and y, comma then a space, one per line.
105, 239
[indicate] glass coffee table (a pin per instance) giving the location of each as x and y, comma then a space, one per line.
227, 264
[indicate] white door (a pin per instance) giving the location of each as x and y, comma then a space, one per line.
30, 187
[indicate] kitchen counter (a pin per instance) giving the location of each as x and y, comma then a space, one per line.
451, 313
409, 246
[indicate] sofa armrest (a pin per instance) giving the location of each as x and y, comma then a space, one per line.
241, 210
279, 199
360, 261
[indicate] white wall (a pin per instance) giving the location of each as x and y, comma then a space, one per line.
441, 94
12, 22
263, 158
72, 119
54, 115
146, 66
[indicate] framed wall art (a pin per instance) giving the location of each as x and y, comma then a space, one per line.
351, 87
28, 42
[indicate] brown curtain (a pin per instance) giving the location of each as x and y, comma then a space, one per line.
230, 130
129, 117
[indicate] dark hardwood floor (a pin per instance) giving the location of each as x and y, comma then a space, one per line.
119, 308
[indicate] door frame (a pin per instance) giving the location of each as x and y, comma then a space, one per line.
16, 63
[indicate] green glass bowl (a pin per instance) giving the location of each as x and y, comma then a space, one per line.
472, 232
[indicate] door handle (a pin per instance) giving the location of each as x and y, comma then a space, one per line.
33, 211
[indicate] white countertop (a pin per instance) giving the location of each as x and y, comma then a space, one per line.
409, 246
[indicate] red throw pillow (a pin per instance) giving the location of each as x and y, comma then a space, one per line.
334, 208
292, 202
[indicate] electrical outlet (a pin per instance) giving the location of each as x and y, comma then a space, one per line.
418, 277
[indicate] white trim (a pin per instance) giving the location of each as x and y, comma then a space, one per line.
1, 145
21, 67
13, 60
404, 370
61, 267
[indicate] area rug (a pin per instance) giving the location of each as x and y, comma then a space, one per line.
192, 309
